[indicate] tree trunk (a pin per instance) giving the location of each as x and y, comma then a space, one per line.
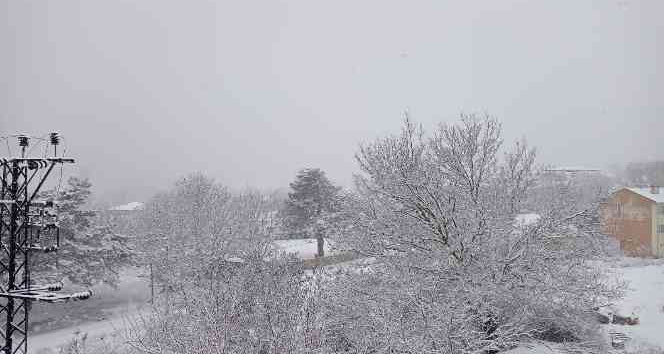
321, 243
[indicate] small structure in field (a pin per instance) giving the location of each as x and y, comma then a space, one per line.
635, 217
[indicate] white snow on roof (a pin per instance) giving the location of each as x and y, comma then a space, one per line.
129, 206
645, 192
573, 169
234, 259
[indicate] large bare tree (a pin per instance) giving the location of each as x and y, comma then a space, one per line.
455, 271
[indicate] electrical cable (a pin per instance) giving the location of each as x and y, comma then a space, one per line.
40, 141
57, 195
64, 154
9, 149
45, 150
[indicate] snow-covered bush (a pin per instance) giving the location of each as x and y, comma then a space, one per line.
221, 286
457, 274
256, 306
198, 225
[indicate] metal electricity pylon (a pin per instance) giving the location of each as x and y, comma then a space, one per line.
26, 225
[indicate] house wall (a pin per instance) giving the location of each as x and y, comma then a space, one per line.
654, 240
629, 218
658, 239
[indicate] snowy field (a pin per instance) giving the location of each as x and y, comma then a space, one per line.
97, 332
644, 298
303, 249
128, 207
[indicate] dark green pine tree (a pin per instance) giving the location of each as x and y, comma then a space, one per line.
311, 198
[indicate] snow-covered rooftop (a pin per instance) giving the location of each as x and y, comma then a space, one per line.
646, 192
573, 169
129, 207
526, 219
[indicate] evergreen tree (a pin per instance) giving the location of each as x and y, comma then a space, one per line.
312, 197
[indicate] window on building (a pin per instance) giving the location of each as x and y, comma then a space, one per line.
660, 209
660, 229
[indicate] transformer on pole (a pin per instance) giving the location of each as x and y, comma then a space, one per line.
26, 226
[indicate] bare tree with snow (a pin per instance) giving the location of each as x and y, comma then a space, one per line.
454, 272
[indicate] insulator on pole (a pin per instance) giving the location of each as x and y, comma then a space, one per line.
49, 249
82, 295
55, 141
55, 138
54, 287
23, 141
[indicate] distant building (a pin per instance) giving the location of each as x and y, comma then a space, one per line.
635, 217
126, 218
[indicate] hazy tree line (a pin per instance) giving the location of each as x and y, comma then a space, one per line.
448, 271
642, 173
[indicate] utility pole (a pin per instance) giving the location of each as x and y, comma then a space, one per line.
26, 226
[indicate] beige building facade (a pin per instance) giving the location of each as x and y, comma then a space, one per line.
635, 217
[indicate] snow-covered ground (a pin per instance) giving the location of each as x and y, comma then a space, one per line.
129, 207
97, 332
303, 248
527, 219
644, 298
535, 349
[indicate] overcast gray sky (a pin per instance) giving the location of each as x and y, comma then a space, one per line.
251, 91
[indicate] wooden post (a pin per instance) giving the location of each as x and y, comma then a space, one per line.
151, 286
321, 244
